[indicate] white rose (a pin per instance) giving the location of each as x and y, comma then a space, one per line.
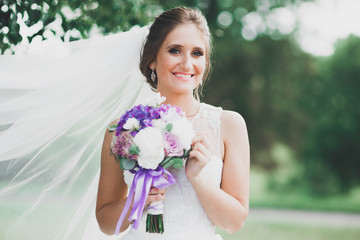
159, 123
159, 99
183, 129
156, 101
150, 142
170, 115
131, 124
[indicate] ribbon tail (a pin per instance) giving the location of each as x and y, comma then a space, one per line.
126, 209
143, 185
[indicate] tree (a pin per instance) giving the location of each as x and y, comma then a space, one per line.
77, 18
330, 152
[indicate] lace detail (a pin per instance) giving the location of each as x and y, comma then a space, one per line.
211, 114
184, 217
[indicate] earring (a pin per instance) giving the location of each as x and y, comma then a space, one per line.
153, 76
201, 83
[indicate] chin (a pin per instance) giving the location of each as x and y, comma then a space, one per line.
184, 88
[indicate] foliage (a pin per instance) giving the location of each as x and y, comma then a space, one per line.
262, 80
77, 17
290, 195
330, 154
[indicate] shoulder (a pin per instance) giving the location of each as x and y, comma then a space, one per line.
232, 125
232, 118
109, 134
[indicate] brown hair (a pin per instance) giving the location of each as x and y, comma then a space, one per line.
162, 26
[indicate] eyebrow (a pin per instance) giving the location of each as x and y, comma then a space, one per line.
181, 46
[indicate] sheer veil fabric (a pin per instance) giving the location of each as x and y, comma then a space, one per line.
54, 110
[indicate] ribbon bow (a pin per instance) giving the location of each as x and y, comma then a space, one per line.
140, 188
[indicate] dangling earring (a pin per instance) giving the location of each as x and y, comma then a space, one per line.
200, 83
152, 76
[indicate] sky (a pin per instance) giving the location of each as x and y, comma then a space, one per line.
320, 24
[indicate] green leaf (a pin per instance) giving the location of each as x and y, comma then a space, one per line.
165, 161
186, 153
169, 127
113, 127
127, 164
178, 163
134, 150
175, 163
117, 157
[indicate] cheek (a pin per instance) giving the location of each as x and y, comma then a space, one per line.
167, 63
201, 65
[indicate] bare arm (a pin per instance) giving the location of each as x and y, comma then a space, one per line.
112, 191
227, 207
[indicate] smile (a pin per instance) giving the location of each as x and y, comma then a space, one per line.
183, 76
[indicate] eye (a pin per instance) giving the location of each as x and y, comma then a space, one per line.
174, 51
198, 53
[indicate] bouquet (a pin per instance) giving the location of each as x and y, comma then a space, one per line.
149, 140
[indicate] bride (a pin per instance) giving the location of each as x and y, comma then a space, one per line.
213, 188
54, 108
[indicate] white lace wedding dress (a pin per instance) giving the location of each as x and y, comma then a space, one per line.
184, 217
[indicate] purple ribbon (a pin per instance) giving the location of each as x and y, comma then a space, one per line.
140, 188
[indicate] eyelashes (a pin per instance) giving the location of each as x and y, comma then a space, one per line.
197, 53
174, 51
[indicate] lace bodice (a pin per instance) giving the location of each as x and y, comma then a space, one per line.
184, 217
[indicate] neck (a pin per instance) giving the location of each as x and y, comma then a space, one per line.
187, 102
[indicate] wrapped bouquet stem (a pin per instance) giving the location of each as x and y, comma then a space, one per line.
154, 218
148, 141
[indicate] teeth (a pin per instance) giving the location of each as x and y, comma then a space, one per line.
185, 76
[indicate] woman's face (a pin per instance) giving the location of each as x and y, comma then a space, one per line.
181, 60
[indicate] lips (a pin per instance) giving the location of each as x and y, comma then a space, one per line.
183, 76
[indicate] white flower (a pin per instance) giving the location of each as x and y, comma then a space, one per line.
159, 99
183, 129
150, 142
170, 115
159, 124
155, 101
132, 124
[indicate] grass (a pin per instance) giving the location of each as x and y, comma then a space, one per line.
260, 230
253, 229
261, 196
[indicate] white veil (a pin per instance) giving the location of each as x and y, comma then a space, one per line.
54, 110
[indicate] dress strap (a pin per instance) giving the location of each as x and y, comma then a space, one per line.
212, 114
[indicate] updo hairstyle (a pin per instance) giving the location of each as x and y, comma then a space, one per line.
161, 27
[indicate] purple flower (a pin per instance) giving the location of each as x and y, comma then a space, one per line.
171, 145
121, 145
144, 114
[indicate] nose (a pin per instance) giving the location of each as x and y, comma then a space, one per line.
186, 62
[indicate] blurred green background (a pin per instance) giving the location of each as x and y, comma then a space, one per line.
302, 111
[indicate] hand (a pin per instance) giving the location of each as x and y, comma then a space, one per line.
155, 195
199, 156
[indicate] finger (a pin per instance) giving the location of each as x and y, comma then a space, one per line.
202, 149
155, 197
204, 139
154, 190
155, 194
199, 138
198, 155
